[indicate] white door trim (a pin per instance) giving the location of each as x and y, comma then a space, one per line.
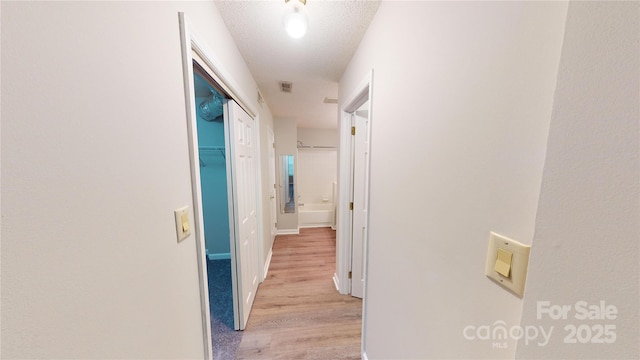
259, 206
192, 43
361, 94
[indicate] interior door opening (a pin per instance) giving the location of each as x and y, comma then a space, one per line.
355, 129
239, 127
228, 202
214, 170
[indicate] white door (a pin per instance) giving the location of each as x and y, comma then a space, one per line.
272, 183
360, 201
242, 181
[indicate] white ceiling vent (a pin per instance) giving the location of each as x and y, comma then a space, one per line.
286, 87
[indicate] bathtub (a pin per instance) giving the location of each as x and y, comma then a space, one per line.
315, 215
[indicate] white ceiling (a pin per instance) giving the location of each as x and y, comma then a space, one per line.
314, 63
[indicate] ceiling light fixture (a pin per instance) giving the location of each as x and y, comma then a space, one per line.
295, 18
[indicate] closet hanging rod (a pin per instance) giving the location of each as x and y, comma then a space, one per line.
208, 150
316, 147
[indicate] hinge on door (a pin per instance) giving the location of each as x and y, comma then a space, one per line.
351, 205
353, 130
350, 274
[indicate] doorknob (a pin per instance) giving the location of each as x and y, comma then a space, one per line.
272, 197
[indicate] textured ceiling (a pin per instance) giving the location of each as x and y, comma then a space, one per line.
314, 63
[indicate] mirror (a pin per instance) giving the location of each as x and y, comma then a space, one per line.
287, 188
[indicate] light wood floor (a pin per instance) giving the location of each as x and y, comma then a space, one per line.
298, 313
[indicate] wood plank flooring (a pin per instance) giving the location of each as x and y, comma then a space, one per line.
298, 313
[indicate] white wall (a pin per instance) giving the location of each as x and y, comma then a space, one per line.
462, 98
318, 137
588, 224
94, 161
317, 171
286, 136
317, 168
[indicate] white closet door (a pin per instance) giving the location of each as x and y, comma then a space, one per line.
243, 185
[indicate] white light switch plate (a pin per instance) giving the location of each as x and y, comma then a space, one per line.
182, 230
519, 263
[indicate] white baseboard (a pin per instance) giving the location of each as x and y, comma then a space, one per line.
314, 226
267, 263
333, 227
336, 282
289, 231
223, 256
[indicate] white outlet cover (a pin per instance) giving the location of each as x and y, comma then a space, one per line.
519, 263
180, 233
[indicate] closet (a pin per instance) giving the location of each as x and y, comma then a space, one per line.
226, 168
212, 158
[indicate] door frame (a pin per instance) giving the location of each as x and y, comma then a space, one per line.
191, 43
344, 232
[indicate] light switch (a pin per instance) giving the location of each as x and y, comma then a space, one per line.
507, 263
503, 262
182, 223
185, 222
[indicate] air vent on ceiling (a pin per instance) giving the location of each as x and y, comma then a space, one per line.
286, 86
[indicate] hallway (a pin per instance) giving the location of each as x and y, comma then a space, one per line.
298, 314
